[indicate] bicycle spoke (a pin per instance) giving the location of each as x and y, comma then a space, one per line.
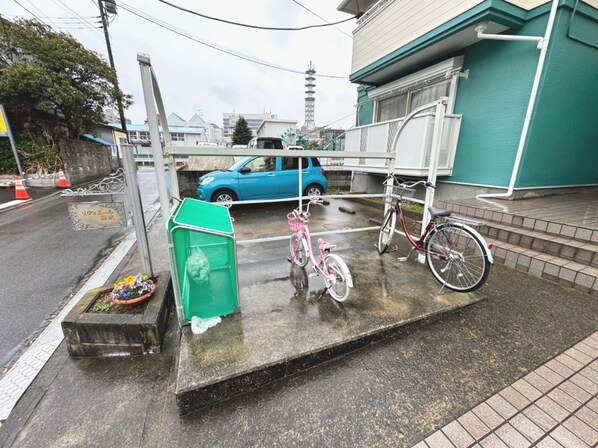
338, 288
456, 258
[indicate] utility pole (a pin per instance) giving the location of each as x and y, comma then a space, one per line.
111, 5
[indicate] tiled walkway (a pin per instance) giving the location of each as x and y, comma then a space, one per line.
570, 210
556, 405
552, 237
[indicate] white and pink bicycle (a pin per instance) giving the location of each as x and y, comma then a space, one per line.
331, 267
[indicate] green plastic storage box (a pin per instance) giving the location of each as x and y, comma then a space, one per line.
203, 247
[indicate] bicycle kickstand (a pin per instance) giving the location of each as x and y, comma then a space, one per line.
407, 256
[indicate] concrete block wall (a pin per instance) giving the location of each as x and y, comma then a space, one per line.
86, 161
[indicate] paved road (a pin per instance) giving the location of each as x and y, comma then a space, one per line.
44, 261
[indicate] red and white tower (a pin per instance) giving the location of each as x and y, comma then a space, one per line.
310, 100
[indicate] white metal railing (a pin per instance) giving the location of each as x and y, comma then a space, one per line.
414, 145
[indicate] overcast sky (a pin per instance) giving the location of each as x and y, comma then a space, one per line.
194, 78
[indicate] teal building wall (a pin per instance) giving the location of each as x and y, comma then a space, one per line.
562, 142
493, 101
562, 148
365, 108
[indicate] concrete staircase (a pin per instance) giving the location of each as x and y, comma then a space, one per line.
563, 253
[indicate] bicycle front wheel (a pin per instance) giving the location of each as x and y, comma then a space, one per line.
298, 250
338, 279
387, 230
457, 257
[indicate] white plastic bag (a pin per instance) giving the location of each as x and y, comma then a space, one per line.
199, 325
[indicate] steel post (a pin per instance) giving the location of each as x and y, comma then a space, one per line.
132, 186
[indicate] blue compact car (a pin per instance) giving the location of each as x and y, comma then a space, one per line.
263, 178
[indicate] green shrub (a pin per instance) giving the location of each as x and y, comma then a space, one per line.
36, 157
415, 207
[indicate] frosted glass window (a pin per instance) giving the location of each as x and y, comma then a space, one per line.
393, 107
428, 94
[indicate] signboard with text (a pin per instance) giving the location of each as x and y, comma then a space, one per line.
97, 215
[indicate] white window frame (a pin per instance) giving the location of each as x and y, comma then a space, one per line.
434, 74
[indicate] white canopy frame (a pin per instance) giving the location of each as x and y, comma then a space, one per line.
164, 159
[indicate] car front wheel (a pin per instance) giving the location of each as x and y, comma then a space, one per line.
313, 190
224, 196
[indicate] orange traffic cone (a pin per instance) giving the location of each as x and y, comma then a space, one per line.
62, 180
20, 192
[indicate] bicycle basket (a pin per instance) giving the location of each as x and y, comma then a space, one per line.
400, 191
295, 223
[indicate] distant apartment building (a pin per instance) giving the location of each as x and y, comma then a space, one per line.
182, 132
111, 116
285, 129
253, 120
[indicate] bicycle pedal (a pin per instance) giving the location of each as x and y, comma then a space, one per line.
313, 274
402, 258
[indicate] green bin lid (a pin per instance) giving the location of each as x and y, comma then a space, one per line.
203, 215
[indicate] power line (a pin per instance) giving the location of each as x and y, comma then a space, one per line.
53, 17
74, 27
82, 20
75, 13
247, 25
212, 45
28, 11
322, 18
332, 122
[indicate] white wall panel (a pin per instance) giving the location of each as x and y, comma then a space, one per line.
400, 23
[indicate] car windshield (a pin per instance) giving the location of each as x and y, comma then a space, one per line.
235, 166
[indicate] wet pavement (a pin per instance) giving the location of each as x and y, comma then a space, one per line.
392, 393
287, 324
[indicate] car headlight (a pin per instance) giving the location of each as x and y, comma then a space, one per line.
206, 181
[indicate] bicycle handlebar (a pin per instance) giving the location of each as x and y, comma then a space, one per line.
304, 215
409, 184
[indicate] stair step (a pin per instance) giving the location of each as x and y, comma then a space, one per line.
566, 272
554, 228
567, 248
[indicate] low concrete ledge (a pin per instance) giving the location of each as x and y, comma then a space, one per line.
196, 397
283, 332
96, 334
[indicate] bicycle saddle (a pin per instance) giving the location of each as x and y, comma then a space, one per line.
324, 245
438, 212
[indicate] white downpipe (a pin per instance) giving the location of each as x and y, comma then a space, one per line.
543, 45
480, 28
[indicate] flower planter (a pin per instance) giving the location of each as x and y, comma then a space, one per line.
96, 334
137, 301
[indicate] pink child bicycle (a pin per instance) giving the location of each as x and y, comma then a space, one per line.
331, 267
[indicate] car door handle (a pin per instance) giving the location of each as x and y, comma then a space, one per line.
271, 175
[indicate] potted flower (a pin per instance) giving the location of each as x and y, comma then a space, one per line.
133, 290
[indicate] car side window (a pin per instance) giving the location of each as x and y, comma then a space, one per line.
290, 163
262, 164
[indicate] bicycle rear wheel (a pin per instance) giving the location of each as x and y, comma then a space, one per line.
298, 250
387, 230
457, 257
340, 281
